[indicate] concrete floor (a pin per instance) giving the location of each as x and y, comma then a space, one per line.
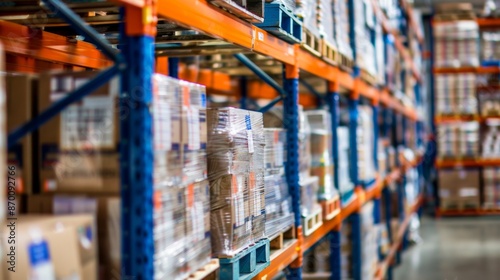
454, 249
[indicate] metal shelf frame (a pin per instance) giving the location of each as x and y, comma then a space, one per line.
134, 63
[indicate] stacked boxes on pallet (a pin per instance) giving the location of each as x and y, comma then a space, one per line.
307, 10
321, 152
326, 21
365, 145
458, 140
456, 94
456, 44
361, 35
345, 184
491, 140
490, 42
80, 164
236, 173
342, 27
346, 251
369, 244
491, 189
459, 189
279, 216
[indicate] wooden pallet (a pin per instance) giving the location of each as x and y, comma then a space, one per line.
329, 52
312, 222
311, 42
344, 62
253, 12
246, 264
278, 241
459, 204
282, 23
465, 15
369, 78
331, 208
207, 272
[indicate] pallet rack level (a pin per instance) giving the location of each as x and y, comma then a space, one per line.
135, 63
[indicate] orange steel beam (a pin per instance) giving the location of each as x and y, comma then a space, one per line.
24, 41
480, 70
133, 3
447, 119
382, 267
467, 212
467, 163
488, 22
209, 19
280, 262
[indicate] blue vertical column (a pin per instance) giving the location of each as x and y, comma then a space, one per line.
402, 195
136, 150
353, 127
291, 121
173, 67
244, 92
334, 236
375, 111
386, 194
357, 249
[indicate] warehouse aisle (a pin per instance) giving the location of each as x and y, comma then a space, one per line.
454, 249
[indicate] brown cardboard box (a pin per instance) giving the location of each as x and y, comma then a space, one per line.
70, 242
459, 188
78, 155
21, 104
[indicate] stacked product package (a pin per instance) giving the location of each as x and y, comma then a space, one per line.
365, 145
279, 216
341, 26
181, 188
491, 189
291, 5
346, 251
456, 43
412, 188
304, 146
392, 65
321, 152
380, 53
490, 43
456, 94
369, 244
326, 21
235, 152
364, 24
458, 140
491, 139
307, 11
345, 184
489, 101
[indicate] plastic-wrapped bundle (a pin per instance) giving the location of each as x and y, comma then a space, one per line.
457, 140
456, 94
321, 152
236, 173
307, 10
345, 183
194, 129
346, 251
304, 146
456, 43
170, 234
490, 40
199, 250
366, 165
167, 107
369, 234
279, 214
326, 24
308, 198
380, 53
275, 150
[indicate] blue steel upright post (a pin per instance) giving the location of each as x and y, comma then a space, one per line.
173, 67
334, 236
291, 121
136, 146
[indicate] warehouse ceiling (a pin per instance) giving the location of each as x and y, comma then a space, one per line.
426, 5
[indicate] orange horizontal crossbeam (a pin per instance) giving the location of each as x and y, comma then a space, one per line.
133, 3
211, 20
488, 22
479, 70
467, 212
448, 163
21, 40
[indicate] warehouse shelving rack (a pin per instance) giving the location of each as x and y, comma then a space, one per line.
134, 64
437, 119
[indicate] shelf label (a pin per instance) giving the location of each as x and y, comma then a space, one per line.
260, 36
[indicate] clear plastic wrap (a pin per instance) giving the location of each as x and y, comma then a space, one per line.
307, 10
308, 198
490, 42
321, 152
366, 167
456, 140
491, 139
326, 21
491, 189
345, 183
235, 153
304, 146
342, 27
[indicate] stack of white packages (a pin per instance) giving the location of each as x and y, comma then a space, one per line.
235, 153
279, 215
456, 94
345, 183
369, 244
366, 166
456, 43
341, 25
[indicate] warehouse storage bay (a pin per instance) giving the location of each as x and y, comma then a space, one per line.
230, 139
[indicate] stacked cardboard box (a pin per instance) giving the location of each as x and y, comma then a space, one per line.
309, 196
392, 64
459, 188
236, 173
345, 183
346, 251
491, 189
365, 145
456, 94
364, 23
382, 158
491, 139
279, 214
304, 146
380, 53
307, 11
458, 140
490, 42
489, 100
342, 27
321, 152
54, 247
456, 43
369, 244
326, 21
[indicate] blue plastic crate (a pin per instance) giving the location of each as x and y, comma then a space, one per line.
279, 21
